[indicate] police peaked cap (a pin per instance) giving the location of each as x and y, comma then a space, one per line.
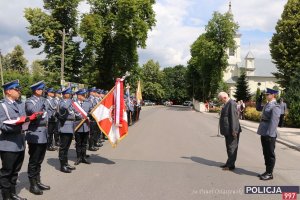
81, 92
11, 85
67, 90
38, 86
271, 91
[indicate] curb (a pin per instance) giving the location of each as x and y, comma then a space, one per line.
281, 141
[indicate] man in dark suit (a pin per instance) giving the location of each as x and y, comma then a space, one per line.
230, 128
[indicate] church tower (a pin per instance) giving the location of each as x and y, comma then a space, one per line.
249, 64
234, 56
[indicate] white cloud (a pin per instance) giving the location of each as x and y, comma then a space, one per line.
257, 14
179, 23
169, 42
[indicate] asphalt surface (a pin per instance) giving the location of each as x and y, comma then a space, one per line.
172, 153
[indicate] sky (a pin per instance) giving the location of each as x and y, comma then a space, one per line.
179, 24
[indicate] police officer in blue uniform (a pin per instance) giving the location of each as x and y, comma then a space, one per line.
12, 139
67, 116
93, 124
36, 137
81, 135
52, 120
268, 130
57, 100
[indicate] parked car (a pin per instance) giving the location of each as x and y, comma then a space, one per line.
168, 103
187, 103
148, 103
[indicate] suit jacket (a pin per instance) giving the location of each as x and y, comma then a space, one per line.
11, 137
269, 119
37, 130
229, 120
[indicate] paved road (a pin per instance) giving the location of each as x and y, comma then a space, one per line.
171, 153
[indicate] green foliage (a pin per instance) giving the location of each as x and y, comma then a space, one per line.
15, 60
46, 27
116, 29
26, 79
223, 87
285, 48
252, 114
242, 88
209, 58
152, 81
174, 83
285, 43
215, 109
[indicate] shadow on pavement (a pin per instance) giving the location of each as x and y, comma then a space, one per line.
179, 108
23, 182
98, 159
207, 162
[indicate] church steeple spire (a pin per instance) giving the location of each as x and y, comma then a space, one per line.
229, 10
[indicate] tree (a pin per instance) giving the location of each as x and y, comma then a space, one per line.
39, 72
285, 48
124, 28
15, 60
47, 25
174, 83
242, 88
209, 57
151, 81
285, 43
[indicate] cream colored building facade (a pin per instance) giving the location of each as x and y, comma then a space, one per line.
258, 71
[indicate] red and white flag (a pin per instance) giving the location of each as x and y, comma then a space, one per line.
110, 114
79, 109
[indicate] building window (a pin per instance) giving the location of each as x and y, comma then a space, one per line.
231, 52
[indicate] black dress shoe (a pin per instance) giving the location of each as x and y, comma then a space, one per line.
98, 145
70, 167
65, 169
266, 177
84, 160
42, 186
93, 149
222, 166
78, 161
16, 197
260, 175
229, 168
51, 148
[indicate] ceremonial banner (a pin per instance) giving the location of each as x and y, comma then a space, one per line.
139, 93
78, 108
110, 114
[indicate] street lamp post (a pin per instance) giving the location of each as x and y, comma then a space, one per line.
1, 71
62, 67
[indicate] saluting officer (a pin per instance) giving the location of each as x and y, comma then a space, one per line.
52, 120
12, 139
268, 130
81, 135
36, 137
67, 116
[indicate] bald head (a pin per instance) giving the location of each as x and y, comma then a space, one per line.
223, 97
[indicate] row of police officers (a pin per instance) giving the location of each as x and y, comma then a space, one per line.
38, 121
